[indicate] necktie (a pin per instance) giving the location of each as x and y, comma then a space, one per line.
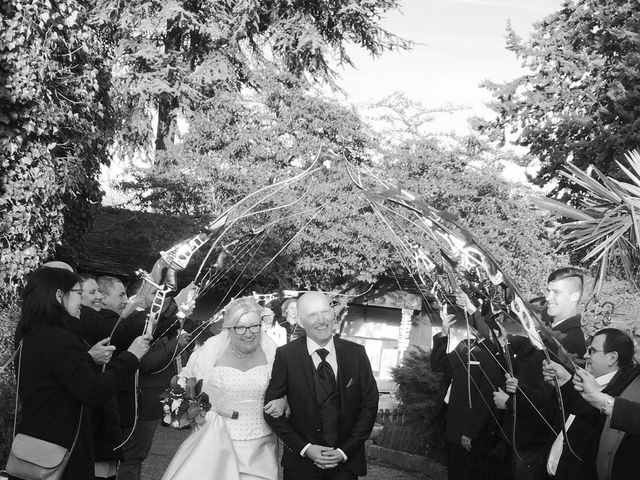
326, 376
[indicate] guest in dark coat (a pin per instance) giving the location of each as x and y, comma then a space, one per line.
94, 330
56, 375
537, 416
471, 416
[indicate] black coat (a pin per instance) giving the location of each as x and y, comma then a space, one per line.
57, 377
93, 327
475, 421
625, 466
537, 409
293, 376
157, 358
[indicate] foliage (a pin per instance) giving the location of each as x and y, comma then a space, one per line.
617, 306
185, 406
421, 397
237, 145
603, 224
464, 177
54, 130
580, 101
9, 315
173, 55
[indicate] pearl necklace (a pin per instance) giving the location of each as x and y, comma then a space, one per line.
241, 355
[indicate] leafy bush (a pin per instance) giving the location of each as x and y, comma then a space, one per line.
8, 320
421, 393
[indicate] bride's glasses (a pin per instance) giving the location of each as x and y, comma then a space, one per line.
252, 328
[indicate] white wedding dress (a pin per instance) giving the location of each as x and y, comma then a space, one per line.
224, 448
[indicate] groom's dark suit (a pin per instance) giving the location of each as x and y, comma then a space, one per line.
294, 376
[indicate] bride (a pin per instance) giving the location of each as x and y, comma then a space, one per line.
235, 443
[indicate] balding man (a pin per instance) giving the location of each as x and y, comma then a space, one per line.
332, 396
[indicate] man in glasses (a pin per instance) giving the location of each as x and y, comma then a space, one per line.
332, 396
603, 452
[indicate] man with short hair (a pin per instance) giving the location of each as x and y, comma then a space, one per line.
597, 450
536, 408
564, 291
332, 395
114, 295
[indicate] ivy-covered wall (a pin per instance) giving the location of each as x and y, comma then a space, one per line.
55, 128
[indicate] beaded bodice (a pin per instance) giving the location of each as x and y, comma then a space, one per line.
243, 392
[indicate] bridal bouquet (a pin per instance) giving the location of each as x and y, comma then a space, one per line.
185, 406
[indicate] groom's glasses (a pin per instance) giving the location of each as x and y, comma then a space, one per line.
252, 328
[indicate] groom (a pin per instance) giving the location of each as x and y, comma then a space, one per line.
332, 396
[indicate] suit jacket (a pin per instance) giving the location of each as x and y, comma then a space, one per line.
158, 357
56, 377
570, 336
476, 421
293, 376
625, 465
537, 407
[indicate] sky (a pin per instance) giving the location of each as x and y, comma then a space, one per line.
460, 43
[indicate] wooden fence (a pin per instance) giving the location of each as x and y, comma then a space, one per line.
397, 435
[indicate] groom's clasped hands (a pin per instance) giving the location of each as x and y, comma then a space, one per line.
324, 457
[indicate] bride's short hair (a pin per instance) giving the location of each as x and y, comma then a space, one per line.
234, 311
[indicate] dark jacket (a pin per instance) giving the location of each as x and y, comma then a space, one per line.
475, 421
625, 466
537, 410
157, 358
157, 368
570, 336
92, 327
57, 376
293, 376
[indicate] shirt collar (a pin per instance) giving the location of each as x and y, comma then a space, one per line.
312, 346
603, 380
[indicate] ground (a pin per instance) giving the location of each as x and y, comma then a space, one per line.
167, 440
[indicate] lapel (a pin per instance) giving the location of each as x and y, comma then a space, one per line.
343, 370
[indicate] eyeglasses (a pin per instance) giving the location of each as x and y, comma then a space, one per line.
591, 350
252, 328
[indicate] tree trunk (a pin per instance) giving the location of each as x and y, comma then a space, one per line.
168, 102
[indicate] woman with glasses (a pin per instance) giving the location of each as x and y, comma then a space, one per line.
57, 383
235, 366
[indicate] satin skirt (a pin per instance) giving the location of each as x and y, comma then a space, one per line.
210, 454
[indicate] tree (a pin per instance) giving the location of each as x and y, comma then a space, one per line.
463, 174
238, 144
580, 101
55, 128
603, 225
174, 55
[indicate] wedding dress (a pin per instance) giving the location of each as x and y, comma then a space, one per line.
225, 448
